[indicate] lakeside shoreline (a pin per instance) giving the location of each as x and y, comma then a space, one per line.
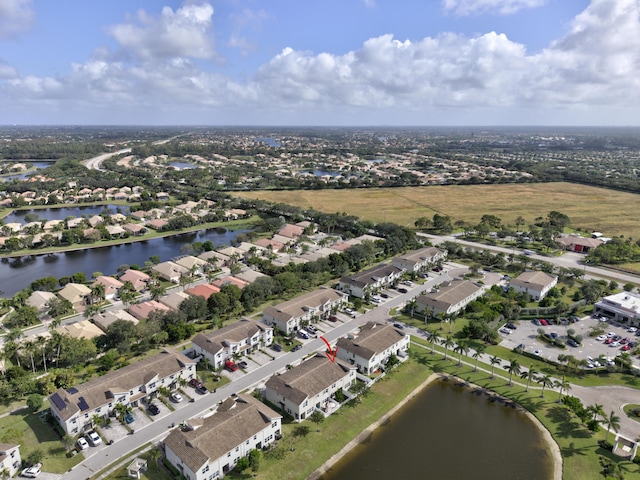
547, 437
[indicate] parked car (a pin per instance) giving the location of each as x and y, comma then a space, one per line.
537, 323
544, 322
276, 347
230, 365
94, 438
303, 334
403, 290
601, 338
626, 348
608, 341
82, 443
571, 342
33, 471
243, 364
296, 348
194, 382
520, 346
510, 325
506, 331
632, 329
153, 409
176, 397
201, 389
398, 325
311, 329
384, 295
333, 318
537, 352
128, 418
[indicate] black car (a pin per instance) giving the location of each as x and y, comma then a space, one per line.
384, 295
398, 325
153, 409
403, 290
571, 342
276, 347
201, 389
511, 326
296, 348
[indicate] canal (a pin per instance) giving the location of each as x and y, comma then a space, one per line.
450, 432
18, 273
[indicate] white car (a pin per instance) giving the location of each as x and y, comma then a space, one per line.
94, 438
601, 338
176, 397
82, 443
537, 352
614, 344
632, 329
33, 471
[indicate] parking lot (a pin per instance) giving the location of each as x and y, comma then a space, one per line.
526, 333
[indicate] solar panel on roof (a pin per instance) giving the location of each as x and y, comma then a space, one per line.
58, 401
82, 404
72, 390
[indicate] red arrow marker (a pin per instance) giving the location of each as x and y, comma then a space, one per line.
331, 355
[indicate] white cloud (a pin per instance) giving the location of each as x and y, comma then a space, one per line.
7, 71
479, 7
244, 24
183, 33
594, 68
15, 17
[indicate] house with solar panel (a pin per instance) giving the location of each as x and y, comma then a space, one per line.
74, 408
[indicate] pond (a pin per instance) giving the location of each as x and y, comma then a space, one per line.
18, 273
17, 216
452, 433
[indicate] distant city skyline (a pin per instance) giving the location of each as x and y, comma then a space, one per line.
337, 62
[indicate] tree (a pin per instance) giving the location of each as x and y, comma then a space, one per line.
529, 375
514, 369
494, 361
612, 422
41, 342
97, 292
57, 307
121, 334
447, 343
545, 381
316, 417
194, 308
596, 409
35, 402
480, 349
433, 339
461, 349
562, 385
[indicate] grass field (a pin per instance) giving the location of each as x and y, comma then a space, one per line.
589, 208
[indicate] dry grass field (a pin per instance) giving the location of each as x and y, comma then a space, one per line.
589, 208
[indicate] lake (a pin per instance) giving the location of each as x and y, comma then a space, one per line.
18, 273
17, 216
450, 432
37, 164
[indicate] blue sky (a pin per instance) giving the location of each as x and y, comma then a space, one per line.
312, 62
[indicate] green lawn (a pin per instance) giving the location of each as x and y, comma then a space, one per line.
34, 434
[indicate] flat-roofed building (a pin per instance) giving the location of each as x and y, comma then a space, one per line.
623, 307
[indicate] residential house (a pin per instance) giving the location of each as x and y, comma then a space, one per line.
291, 231
75, 407
371, 348
537, 284
239, 338
221, 260
194, 265
450, 298
115, 231
310, 386
95, 220
204, 290
157, 223
229, 280
81, 329
174, 299
77, 293
134, 229
104, 320
623, 307
10, 460
576, 243
138, 279
142, 310
210, 447
289, 316
111, 286
75, 222
40, 300
268, 244
170, 271
420, 260
370, 280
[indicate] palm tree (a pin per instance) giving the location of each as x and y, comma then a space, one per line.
512, 368
42, 343
494, 361
12, 341
156, 290
461, 349
30, 347
480, 349
529, 376
411, 306
545, 381
612, 422
122, 410
97, 292
563, 385
433, 339
447, 343
596, 409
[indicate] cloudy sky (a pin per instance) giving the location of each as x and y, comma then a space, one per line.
320, 62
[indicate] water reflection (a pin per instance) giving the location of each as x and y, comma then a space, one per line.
18, 273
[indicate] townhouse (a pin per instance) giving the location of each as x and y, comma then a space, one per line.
289, 316
369, 281
242, 337
75, 407
371, 348
420, 260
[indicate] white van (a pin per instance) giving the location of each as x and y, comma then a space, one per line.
303, 334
